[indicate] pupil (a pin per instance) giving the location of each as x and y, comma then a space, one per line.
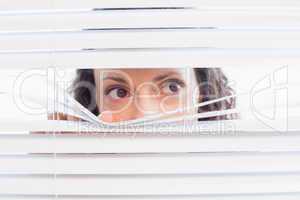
173, 88
121, 93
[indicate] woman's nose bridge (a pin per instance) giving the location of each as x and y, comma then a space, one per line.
147, 88
146, 101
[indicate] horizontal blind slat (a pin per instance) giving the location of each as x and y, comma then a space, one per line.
154, 58
152, 39
66, 4
195, 3
155, 185
146, 19
221, 127
185, 163
278, 196
12, 144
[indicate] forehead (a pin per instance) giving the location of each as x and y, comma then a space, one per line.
140, 74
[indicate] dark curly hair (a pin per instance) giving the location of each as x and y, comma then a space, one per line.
212, 84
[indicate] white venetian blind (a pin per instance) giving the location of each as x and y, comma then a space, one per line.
258, 163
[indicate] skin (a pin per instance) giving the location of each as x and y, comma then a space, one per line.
127, 94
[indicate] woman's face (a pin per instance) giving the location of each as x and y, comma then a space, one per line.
126, 94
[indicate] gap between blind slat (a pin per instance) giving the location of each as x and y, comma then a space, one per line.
185, 163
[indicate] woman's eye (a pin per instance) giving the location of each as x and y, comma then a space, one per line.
171, 88
118, 93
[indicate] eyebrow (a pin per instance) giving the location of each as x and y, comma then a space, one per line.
163, 76
117, 79
122, 80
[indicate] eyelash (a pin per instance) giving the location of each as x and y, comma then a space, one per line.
113, 87
179, 82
